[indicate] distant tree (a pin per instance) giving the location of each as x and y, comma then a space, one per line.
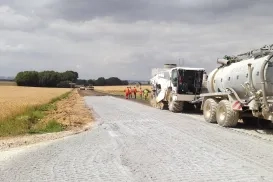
113, 81
100, 81
27, 78
64, 84
76, 75
61, 79
69, 76
49, 78
125, 82
91, 82
82, 82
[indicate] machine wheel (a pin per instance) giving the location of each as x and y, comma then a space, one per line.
161, 105
225, 115
153, 101
175, 106
209, 110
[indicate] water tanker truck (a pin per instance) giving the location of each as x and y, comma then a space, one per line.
176, 88
240, 88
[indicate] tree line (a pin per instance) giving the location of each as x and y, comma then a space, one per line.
101, 81
61, 79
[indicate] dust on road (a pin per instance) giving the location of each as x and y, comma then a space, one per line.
133, 142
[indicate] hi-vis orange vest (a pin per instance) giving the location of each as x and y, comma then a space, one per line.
127, 91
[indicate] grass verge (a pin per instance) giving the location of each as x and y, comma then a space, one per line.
30, 120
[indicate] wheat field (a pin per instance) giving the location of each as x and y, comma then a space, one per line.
15, 100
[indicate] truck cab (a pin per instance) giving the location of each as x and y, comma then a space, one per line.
187, 82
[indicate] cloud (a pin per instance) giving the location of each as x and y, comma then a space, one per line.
126, 38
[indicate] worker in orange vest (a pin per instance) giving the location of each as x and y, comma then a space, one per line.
130, 92
140, 93
127, 92
134, 91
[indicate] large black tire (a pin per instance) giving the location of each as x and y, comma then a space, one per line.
176, 106
225, 115
153, 101
161, 105
209, 110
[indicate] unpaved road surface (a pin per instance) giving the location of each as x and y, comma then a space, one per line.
134, 142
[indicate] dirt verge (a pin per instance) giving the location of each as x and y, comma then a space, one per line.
71, 113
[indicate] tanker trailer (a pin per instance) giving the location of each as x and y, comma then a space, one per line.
241, 88
176, 88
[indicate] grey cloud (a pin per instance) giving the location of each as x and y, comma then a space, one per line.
128, 38
198, 11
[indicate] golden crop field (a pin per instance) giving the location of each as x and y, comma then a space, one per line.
15, 100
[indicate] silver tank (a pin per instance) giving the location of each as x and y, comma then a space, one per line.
236, 74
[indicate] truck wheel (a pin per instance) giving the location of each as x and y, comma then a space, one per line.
225, 115
163, 105
153, 101
209, 110
176, 106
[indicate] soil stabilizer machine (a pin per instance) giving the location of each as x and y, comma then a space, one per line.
241, 88
176, 88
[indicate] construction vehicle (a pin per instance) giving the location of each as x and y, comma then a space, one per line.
176, 88
82, 87
240, 88
90, 87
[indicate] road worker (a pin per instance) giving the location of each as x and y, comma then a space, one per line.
140, 93
127, 92
130, 92
146, 93
134, 91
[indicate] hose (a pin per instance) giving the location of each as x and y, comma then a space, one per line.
236, 95
263, 82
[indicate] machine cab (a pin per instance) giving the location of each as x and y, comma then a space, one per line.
187, 80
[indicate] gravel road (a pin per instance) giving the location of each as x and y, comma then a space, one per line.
134, 142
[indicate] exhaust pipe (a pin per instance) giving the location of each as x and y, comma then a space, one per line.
223, 61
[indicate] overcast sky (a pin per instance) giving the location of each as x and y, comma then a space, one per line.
126, 38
